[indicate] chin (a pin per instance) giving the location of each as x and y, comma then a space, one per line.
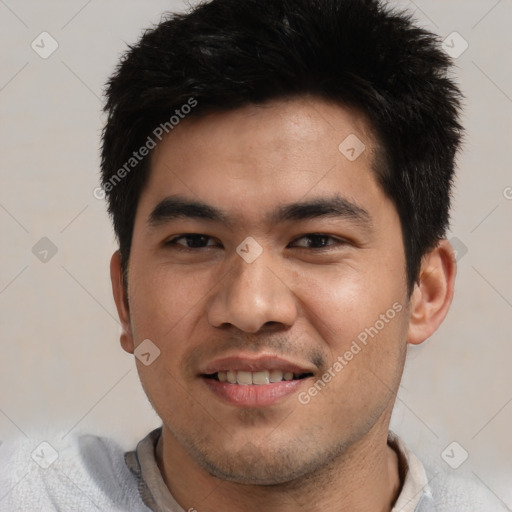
266, 465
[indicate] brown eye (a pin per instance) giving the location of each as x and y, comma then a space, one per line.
191, 241
319, 241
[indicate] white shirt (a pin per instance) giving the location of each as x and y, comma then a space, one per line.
87, 472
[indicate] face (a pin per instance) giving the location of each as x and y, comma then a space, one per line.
287, 270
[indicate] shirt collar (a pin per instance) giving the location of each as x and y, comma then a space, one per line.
152, 488
415, 489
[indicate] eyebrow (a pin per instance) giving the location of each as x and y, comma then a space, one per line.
180, 207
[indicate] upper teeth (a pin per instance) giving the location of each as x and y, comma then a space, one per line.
259, 378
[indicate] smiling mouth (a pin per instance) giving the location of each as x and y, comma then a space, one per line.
259, 378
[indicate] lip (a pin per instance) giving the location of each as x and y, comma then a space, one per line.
254, 364
253, 395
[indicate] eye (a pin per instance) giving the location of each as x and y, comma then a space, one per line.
192, 241
319, 241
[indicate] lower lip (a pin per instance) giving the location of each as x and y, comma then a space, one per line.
253, 395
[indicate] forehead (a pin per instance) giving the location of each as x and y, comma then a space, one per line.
253, 158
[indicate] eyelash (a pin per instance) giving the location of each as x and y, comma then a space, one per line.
172, 242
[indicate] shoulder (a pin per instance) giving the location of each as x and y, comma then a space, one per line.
446, 483
460, 491
75, 472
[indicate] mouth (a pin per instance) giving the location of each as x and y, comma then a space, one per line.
257, 378
254, 382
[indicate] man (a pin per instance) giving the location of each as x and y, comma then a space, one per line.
278, 173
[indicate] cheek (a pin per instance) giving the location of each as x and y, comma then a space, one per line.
161, 299
162, 306
342, 302
367, 355
360, 315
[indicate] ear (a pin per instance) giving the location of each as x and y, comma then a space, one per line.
121, 298
433, 293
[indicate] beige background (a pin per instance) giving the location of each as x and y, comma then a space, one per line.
61, 366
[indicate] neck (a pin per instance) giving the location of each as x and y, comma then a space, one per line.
365, 478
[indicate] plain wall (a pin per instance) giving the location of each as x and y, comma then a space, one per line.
61, 364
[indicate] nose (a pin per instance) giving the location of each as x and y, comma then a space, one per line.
252, 295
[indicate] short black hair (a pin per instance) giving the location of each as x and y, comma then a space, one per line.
226, 54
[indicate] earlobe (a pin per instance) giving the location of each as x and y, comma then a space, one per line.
433, 293
120, 298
